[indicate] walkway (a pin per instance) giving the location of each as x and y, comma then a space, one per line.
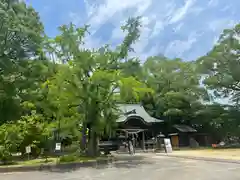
150, 168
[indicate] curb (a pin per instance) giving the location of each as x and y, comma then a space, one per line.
203, 158
56, 167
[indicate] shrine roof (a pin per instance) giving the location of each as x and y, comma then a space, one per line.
128, 111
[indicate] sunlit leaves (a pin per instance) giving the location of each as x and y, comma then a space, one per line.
132, 27
132, 91
176, 86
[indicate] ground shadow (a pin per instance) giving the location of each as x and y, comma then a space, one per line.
127, 164
121, 161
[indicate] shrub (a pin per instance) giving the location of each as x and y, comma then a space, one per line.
72, 148
5, 155
69, 158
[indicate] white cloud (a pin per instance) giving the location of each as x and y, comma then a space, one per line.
213, 3
215, 40
117, 34
107, 10
144, 6
159, 26
219, 25
196, 10
182, 12
75, 18
156, 16
177, 47
178, 27
92, 43
111, 11
154, 50
91, 7
225, 8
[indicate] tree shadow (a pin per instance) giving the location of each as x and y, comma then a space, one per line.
124, 162
127, 164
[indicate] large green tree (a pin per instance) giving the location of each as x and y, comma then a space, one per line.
177, 89
220, 67
93, 78
20, 39
56, 86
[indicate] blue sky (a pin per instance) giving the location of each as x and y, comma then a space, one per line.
175, 28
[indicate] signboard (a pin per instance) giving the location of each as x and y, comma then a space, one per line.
168, 145
58, 147
28, 149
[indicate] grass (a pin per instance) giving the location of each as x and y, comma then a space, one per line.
233, 154
38, 161
50, 161
32, 162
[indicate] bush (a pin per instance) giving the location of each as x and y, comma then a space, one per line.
69, 158
72, 148
5, 155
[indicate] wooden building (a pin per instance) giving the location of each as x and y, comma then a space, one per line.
135, 121
182, 135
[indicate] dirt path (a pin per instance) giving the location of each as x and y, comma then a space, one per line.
231, 154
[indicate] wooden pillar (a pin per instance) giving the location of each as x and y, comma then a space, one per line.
143, 141
153, 145
126, 136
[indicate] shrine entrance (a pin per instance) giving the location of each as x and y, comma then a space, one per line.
137, 123
138, 136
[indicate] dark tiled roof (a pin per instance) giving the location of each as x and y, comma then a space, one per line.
184, 128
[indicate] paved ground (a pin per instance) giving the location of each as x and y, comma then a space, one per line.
152, 168
230, 154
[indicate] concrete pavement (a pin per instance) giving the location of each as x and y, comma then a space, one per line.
151, 167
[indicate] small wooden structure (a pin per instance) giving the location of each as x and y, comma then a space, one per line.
135, 121
182, 135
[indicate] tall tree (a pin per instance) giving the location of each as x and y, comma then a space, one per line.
20, 31
221, 65
176, 86
20, 38
93, 77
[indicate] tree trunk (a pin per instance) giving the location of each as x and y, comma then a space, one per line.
92, 144
83, 138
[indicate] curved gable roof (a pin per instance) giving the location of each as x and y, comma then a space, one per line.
135, 110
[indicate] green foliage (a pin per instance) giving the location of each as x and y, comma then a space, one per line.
73, 148
176, 89
21, 30
9, 141
5, 154
20, 38
132, 90
33, 131
89, 79
221, 65
69, 158
132, 27
56, 88
74, 157
220, 68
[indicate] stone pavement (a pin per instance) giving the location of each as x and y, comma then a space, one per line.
150, 167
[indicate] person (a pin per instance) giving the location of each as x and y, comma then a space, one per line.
130, 144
